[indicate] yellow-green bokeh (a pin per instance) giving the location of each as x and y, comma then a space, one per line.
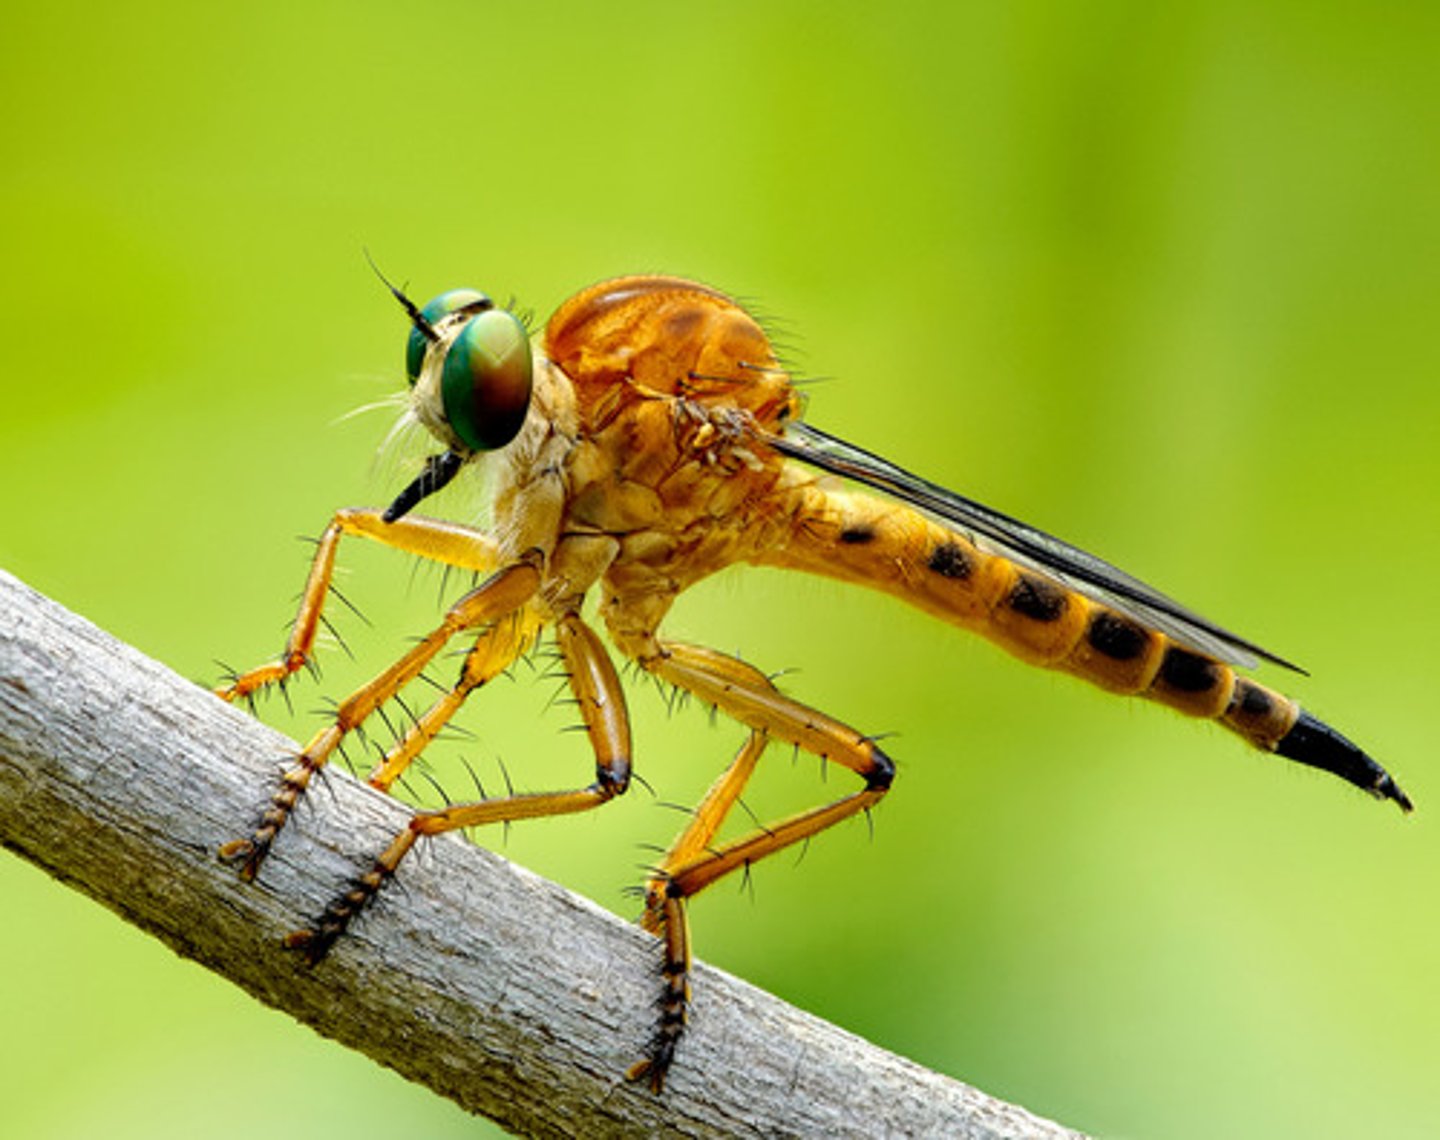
1164, 279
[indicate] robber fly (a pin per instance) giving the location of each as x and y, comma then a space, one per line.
646, 439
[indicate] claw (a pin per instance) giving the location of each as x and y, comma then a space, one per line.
249, 853
651, 1069
314, 945
234, 850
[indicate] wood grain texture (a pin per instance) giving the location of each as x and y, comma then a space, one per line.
505, 992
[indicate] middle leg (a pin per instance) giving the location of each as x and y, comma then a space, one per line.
601, 700
503, 594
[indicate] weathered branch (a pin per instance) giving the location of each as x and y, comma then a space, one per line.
498, 989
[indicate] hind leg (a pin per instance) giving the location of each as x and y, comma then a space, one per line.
692, 864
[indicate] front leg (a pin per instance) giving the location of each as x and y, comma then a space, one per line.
447, 543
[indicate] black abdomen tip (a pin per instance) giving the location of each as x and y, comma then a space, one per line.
1312, 741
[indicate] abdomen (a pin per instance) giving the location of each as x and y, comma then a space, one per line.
858, 538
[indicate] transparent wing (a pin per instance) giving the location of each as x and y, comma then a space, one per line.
1022, 543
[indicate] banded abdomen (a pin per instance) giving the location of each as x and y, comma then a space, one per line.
859, 538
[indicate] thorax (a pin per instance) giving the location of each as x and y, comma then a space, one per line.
641, 462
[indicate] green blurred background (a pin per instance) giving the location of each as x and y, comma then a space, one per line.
1165, 282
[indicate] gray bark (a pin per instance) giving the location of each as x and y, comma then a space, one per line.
503, 991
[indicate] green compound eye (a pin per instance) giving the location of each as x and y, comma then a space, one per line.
486, 379
434, 310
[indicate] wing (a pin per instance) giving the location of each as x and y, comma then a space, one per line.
1022, 543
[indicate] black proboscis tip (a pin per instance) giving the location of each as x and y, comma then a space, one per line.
439, 470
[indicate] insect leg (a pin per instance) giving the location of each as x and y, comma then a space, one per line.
743, 692
494, 651
602, 707
439, 541
665, 912
705, 821
502, 594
